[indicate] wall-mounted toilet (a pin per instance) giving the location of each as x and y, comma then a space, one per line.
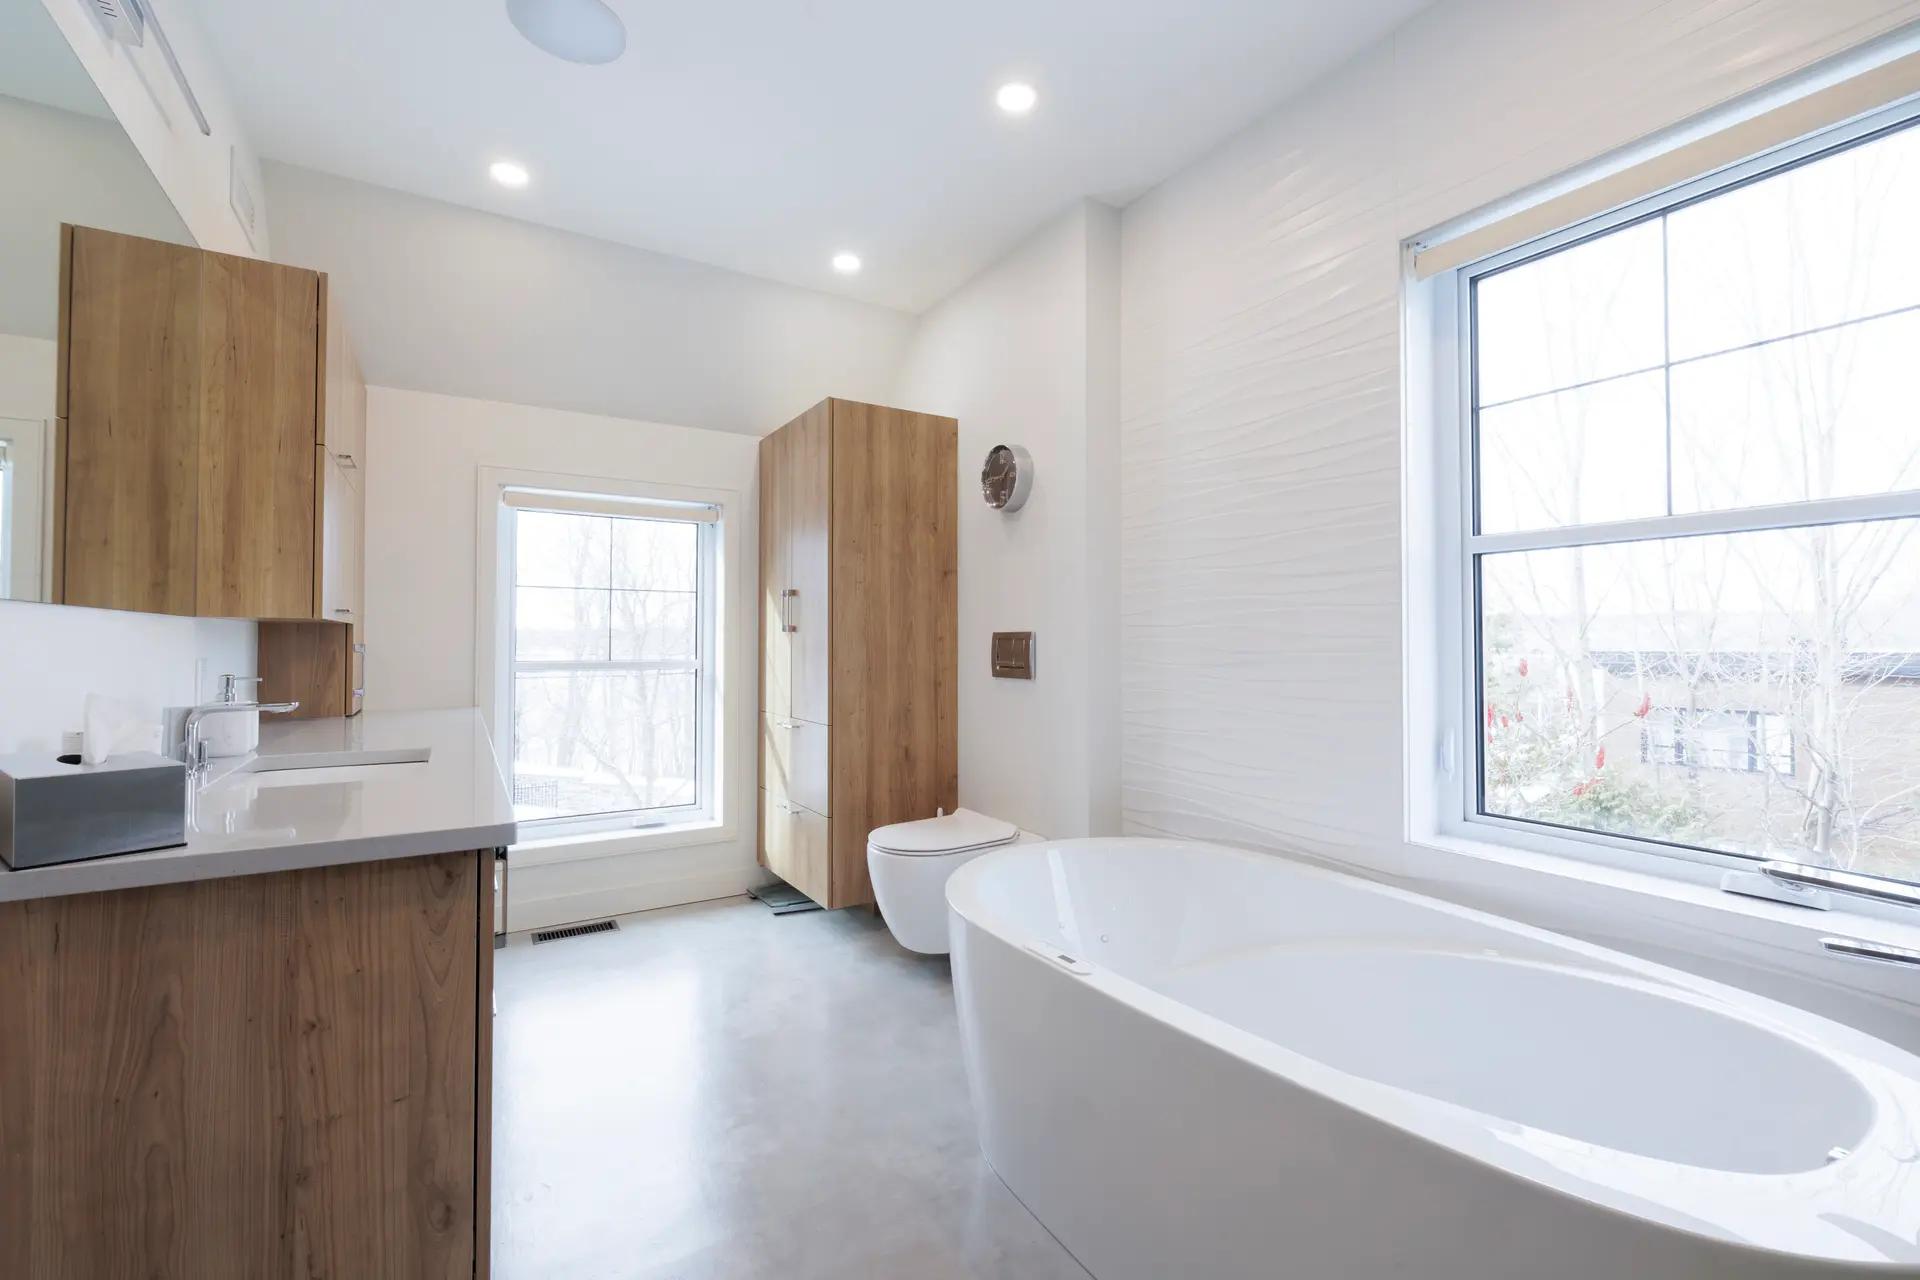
910, 862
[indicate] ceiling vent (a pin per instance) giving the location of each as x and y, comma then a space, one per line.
123, 20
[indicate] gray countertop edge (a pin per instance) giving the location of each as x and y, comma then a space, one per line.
453, 802
105, 875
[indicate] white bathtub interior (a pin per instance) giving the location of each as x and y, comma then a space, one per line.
1592, 1057
1618, 1081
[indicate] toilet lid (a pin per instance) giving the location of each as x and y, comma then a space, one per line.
957, 832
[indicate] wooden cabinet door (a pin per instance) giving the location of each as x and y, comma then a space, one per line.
794, 843
270, 1075
342, 423
130, 383
810, 858
342, 568
259, 352
776, 665
776, 832
794, 759
809, 516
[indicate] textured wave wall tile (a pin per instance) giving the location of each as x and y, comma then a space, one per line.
1261, 673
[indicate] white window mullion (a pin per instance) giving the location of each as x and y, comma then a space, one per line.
1788, 515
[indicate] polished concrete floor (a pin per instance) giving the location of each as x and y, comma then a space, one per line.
718, 1093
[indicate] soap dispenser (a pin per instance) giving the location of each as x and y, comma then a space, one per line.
232, 733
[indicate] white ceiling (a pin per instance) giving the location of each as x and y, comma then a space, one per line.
764, 135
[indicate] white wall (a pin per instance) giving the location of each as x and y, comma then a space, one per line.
191, 167
424, 455
443, 298
27, 367
65, 167
52, 656
1261, 542
1026, 354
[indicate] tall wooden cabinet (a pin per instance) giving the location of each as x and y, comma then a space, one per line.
858, 619
208, 450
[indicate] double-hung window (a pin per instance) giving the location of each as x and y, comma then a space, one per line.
1689, 569
611, 689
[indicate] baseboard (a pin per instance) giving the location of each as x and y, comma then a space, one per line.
533, 902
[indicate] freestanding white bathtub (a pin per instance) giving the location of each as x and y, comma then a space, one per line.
1195, 1063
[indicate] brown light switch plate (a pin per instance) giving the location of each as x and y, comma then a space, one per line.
1013, 655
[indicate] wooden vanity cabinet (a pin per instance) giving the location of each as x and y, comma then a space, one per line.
858, 619
285, 1074
211, 443
212, 421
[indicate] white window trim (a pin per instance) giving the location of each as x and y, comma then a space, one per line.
1439, 550
719, 820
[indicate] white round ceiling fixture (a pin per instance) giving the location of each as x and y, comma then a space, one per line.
577, 30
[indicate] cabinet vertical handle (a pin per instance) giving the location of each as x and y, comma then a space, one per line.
787, 614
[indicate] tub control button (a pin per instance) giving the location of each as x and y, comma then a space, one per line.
1060, 959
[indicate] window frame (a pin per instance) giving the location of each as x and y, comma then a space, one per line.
706, 620
1449, 299
552, 841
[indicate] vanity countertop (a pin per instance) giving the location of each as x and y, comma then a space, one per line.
244, 821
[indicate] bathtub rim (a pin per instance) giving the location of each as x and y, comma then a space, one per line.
1889, 1075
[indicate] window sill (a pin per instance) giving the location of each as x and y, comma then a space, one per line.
586, 846
1649, 906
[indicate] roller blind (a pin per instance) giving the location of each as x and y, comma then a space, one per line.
599, 504
1813, 101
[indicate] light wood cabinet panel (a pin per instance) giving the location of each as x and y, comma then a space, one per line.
810, 522
895, 619
864, 525
775, 852
215, 417
382, 1111
776, 653
342, 424
130, 381
269, 1075
259, 330
812, 858
795, 758
795, 844
311, 663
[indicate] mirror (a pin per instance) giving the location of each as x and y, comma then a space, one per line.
63, 158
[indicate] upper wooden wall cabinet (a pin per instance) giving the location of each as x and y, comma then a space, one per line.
212, 422
859, 562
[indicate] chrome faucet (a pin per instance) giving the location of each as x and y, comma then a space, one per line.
193, 746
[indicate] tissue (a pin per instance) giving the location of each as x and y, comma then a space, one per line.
111, 726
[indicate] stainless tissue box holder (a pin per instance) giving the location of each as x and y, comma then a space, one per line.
54, 809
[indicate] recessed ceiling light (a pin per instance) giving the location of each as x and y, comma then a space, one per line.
577, 30
846, 263
508, 174
1016, 97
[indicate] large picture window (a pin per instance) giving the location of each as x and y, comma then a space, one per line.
1692, 508
611, 634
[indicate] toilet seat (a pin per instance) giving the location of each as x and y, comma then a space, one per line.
961, 831
909, 864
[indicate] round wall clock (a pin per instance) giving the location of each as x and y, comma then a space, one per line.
1007, 478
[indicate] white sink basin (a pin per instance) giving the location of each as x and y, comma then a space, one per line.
314, 775
333, 761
